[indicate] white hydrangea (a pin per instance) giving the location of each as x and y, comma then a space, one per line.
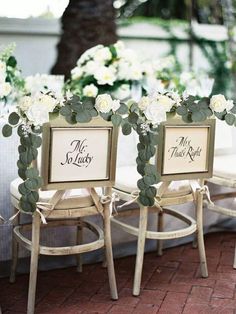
135, 72
43, 83
218, 103
105, 75
37, 114
5, 89
47, 102
90, 90
103, 103
120, 47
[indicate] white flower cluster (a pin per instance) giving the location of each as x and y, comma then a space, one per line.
156, 106
196, 84
36, 108
218, 103
5, 87
104, 103
106, 69
44, 83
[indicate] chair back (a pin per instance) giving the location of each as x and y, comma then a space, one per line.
82, 155
185, 151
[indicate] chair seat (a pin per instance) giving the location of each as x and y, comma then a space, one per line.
78, 198
225, 166
127, 177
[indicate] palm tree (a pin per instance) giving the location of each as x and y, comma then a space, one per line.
85, 23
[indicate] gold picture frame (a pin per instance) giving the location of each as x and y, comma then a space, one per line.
185, 151
70, 169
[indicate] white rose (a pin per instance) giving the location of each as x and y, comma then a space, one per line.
155, 113
123, 92
102, 55
165, 102
47, 102
218, 103
5, 89
105, 75
115, 104
25, 103
90, 90
144, 102
76, 73
103, 103
37, 114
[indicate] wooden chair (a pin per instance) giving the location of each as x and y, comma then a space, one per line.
224, 174
64, 151
173, 190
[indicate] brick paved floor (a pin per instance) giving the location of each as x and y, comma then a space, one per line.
170, 284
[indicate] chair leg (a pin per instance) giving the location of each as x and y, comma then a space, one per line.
200, 235
33, 263
160, 226
79, 257
234, 266
15, 250
140, 250
109, 253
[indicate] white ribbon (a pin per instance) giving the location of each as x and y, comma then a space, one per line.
204, 190
112, 199
135, 195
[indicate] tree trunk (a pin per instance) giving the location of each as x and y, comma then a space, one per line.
85, 23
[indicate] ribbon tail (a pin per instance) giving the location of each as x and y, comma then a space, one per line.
43, 219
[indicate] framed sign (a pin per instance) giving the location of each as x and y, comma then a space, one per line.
186, 151
81, 155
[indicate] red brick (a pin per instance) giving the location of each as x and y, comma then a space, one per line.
224, 303
200, 294
224, 289
121, 309
146, 309
173, 303
151, 297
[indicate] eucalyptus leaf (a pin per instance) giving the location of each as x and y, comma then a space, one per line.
149, 179
7, 130
32, 173
83, 117
65, 110
123, 109
23, 189
116, 119
229, 118
182, 110
13, 118
141, 184
146, 201
126, 129
21, 173
133, 118
31, 184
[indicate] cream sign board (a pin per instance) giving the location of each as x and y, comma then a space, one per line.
186, 150
79, 154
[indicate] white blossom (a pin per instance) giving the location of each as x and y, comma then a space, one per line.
37, 114
24, 103
76, 73
5, 89
218, 103
102, 55
144, 103
104, 103
115, 104
90, 90
155, 113
122, 92
105, 75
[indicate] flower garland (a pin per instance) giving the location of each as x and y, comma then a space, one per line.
144, 117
